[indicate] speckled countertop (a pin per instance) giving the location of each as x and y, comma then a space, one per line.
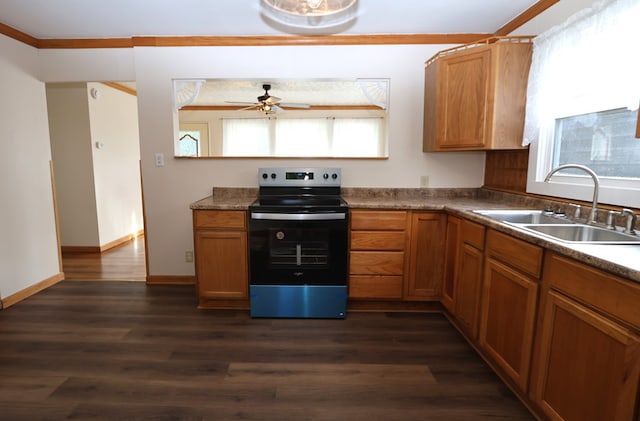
621, 260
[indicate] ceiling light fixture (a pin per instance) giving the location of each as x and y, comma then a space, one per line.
310, 14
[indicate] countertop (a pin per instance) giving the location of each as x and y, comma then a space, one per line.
621, 260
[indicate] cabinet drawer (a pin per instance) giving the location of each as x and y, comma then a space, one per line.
377, 240
472, 234
515, 253
219, 219
610, 294
372, 286
378, 220
376, 263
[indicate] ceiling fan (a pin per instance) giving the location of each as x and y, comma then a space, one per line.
270, 104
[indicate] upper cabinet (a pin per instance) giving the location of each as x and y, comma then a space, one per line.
475, 96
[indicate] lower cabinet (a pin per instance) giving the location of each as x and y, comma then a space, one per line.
377, 254
508, 304
587, 365
426, 252
220, 245
396, 255
451, 241
462, 279
469, 276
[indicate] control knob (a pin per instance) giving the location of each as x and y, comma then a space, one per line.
325, 176
334, 176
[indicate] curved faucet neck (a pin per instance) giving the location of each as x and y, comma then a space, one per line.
596, 185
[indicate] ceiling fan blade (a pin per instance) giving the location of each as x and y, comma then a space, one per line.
275, 109
294, 105
247, 108
240, 102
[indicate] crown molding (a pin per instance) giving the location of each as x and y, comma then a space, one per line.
272, 40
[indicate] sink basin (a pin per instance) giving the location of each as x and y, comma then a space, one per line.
578, 233
523, 216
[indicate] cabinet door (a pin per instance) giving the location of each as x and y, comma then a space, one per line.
452, 238
588, 364
426, 254
221, 264
507, 319
468, 285
465, 83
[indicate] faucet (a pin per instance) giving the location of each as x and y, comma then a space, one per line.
596, 186
630, 221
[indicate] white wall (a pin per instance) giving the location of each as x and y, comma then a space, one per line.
28, 245
116, 165
73, 163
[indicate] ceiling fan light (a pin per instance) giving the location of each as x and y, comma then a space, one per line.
310, 14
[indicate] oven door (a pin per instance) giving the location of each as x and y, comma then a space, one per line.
298, 248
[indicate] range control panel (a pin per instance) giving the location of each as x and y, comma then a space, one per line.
296, 177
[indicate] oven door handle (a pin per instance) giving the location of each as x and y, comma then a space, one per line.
298, 216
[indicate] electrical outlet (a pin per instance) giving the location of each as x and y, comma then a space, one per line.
188, 256
424, 181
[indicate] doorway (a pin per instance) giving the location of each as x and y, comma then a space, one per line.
95, 150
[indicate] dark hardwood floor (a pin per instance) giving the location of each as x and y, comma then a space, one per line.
119, 350
94, 350
124, 262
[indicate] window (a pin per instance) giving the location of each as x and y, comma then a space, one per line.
193, 139
188, 143
582, 104
603, 141
304, 137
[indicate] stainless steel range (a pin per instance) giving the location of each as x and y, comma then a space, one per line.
298, 236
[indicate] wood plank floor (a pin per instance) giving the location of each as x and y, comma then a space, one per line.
93, 350
124, 262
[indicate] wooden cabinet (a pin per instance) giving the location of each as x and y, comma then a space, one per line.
475, 96
469, 276
426, 256
588, 351
221, 261
452, 239
378, 239
508, 304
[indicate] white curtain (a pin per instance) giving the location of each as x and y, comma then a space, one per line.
590, 63
302, 137
245, 137
360, 137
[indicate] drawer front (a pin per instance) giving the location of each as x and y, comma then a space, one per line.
473, 234
220, 219
378, 220
372, 286
515, 253
610, 294
377, 240
376, 263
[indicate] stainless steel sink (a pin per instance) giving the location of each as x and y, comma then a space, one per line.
523, 216
579, 233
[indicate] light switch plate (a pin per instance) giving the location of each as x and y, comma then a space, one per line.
159, 159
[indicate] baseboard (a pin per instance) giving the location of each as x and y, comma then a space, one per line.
31, 290
120, 241
102, 248
170, 280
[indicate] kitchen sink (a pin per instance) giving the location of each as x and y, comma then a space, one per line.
524, 216
579, 233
